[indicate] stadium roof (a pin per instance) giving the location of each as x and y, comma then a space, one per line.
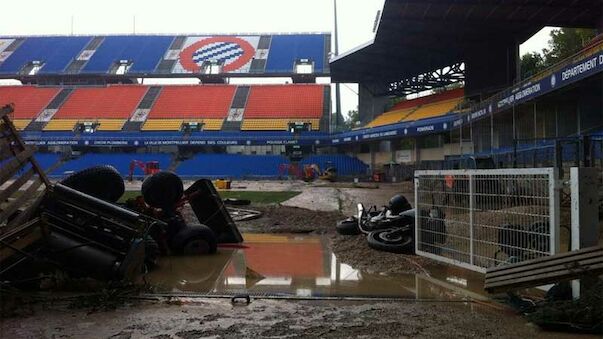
419, 36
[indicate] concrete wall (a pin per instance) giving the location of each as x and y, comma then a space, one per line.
370, 106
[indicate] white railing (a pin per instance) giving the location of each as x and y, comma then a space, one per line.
483, 218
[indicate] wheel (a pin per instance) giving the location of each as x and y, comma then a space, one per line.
394, 241
195, 240
102, 182
151, 252
162, 190
348, 226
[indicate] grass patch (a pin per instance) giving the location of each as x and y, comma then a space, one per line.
256, 197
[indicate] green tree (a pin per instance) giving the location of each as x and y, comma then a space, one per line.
531, 64
565, 42
352, 120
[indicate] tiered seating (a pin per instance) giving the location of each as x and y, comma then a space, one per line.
176, 124
143, 51
175, 105
121, 161
29, 101
275, 124
421, 108
110, 106
391, 117
47, 160
434, 110
273, 107
346, 165
285, 101
231, 166
55, 52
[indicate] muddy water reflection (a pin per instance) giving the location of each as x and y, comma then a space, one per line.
301, 266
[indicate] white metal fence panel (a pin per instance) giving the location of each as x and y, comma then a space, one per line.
483, 218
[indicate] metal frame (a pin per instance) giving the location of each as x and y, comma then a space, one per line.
548, 188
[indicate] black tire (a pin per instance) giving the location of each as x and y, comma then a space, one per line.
162, 190
194, 240
348, 227
394, 241
237, 202
152, 252
102, 182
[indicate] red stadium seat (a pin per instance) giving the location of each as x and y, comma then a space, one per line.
285, 101
29, 100
113, 102
193, 102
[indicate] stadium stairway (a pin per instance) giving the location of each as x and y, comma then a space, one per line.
144, 106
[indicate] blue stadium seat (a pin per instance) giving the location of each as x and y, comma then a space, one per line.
231, 166
47, 160
346, 165
121, 161
56, 53
145, 51
285, 49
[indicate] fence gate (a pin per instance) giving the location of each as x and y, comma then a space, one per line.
483, 218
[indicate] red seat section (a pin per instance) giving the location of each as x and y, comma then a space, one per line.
29, 100
285, 101
193, 102
113, 102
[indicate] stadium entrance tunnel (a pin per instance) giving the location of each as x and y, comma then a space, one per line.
301, 267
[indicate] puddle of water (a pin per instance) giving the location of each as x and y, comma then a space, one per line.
301, 265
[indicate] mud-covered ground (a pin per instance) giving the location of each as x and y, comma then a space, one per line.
273, 319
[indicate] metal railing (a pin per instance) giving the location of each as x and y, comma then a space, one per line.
483, 218
593, 47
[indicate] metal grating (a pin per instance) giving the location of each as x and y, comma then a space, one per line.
484, 218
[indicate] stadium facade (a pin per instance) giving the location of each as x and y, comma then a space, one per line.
86, 94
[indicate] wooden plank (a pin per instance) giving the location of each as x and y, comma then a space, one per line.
535, 273
28, 213
22, 145
5, 110
543, 259
546, 278
20, 201
8, 170
20, 243
554, 260
14, 187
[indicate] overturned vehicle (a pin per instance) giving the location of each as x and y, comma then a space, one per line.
77, 227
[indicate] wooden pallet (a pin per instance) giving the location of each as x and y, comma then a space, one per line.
22, 187
545, 270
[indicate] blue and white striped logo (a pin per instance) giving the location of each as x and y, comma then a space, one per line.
222, 52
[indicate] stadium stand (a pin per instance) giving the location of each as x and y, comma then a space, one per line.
285, 101
285, 49
433, 110
110, 107
54, 52
420, 108
346, 165
208, 104
275, 124
144, 53
121, 161
29, 101
48, 160
231, 166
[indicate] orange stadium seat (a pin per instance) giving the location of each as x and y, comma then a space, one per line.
193, 102
113, 102
275, 124
285, 102
29, 100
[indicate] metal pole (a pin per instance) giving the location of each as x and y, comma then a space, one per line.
337, 85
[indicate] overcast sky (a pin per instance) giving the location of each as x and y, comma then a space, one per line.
356, 18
